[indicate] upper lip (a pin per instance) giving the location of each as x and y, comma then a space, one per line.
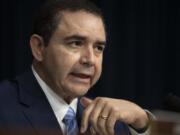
83, 75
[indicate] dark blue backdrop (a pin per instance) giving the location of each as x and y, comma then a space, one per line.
142, 60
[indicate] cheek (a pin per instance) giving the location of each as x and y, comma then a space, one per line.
63, 62
62, 57
98, 71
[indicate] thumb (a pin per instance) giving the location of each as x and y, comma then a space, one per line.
85, 101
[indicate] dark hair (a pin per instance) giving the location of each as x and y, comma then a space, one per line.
50, 14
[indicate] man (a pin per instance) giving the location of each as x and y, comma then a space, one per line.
67, 45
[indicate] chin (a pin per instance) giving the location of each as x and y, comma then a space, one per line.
79, 92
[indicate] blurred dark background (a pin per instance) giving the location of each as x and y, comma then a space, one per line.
141, 62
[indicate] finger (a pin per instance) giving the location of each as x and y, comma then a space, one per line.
85, 117
94, 116
111, 122
85, 101
102, 122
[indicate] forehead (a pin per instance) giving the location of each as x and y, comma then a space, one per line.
81, 23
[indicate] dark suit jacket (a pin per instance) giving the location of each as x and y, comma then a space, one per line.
25, 110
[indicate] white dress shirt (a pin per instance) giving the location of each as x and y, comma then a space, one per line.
59, 106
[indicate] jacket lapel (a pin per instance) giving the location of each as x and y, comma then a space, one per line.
36, 107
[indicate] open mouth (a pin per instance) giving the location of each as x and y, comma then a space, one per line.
81, 75
81, 78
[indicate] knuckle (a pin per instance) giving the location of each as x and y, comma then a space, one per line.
100, 100
97, 98
107, 103
126, 117
103, 100
116, 114
115, 109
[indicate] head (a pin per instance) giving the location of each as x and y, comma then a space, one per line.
67, 44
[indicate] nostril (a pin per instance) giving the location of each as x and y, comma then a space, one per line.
87, 61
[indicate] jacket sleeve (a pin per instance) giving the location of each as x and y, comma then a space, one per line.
148, 130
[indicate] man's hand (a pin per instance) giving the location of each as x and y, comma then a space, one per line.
102, 113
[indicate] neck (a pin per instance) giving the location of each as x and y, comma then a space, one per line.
40, 71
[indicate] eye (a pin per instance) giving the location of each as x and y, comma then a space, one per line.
75, 43
100, 48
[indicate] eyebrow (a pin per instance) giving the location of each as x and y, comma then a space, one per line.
101, 43
79, 37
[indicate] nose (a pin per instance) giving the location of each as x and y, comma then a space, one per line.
88, 57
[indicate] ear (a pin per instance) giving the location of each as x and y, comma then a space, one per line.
37, 47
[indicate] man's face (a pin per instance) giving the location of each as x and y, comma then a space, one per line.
72, 61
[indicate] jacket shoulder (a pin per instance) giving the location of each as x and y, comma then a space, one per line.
8, 90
